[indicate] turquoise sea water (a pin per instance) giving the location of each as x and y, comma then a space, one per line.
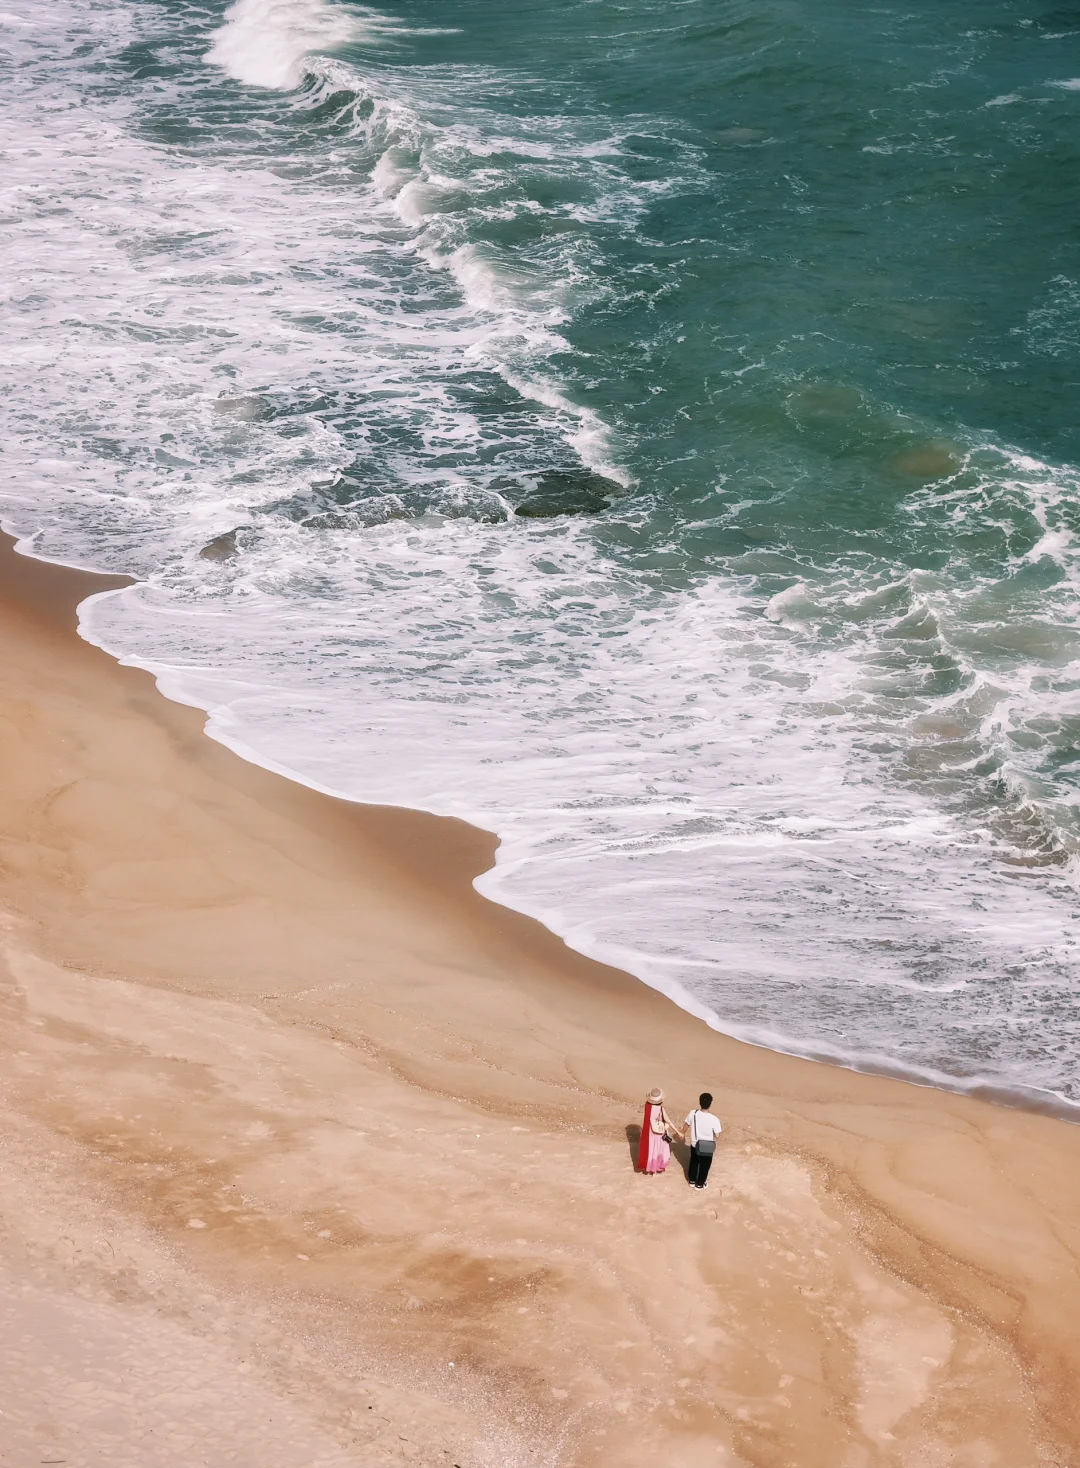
645, 429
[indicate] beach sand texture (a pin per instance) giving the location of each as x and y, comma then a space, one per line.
312, 1156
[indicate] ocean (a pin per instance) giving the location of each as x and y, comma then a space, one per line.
646, 429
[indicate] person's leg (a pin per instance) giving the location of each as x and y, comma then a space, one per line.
695, 1164
704, 1163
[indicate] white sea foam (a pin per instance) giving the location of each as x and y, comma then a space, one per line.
268, 43
666, 800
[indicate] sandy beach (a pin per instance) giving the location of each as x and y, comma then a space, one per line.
312, 1156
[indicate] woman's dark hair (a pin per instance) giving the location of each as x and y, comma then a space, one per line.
704, 1100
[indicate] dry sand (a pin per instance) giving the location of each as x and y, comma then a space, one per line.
311, 1156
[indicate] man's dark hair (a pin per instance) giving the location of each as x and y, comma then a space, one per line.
704, 1100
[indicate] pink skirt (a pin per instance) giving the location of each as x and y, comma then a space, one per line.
659, 1153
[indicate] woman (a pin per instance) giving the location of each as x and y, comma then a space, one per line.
654, 1152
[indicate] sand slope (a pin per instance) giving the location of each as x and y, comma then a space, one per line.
311, 1155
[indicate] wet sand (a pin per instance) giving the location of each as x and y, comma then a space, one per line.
310, 1155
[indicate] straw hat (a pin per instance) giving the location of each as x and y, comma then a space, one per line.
655, 1096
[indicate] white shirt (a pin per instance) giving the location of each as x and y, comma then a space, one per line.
704, 1127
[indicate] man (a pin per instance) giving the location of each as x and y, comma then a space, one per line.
702, 1128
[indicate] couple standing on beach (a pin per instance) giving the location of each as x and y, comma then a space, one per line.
658, 1132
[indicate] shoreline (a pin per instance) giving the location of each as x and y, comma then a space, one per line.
1023, 1098
884, 1274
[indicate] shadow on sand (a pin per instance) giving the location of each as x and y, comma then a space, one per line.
680, 1152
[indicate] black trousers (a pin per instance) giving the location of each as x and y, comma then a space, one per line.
700, 1162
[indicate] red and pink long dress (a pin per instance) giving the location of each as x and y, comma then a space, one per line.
654, 1153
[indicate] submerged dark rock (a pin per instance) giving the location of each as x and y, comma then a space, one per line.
568, 492
350, 502
356, 517
221, 548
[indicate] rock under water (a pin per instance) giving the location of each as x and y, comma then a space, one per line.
221, 548
568, 492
